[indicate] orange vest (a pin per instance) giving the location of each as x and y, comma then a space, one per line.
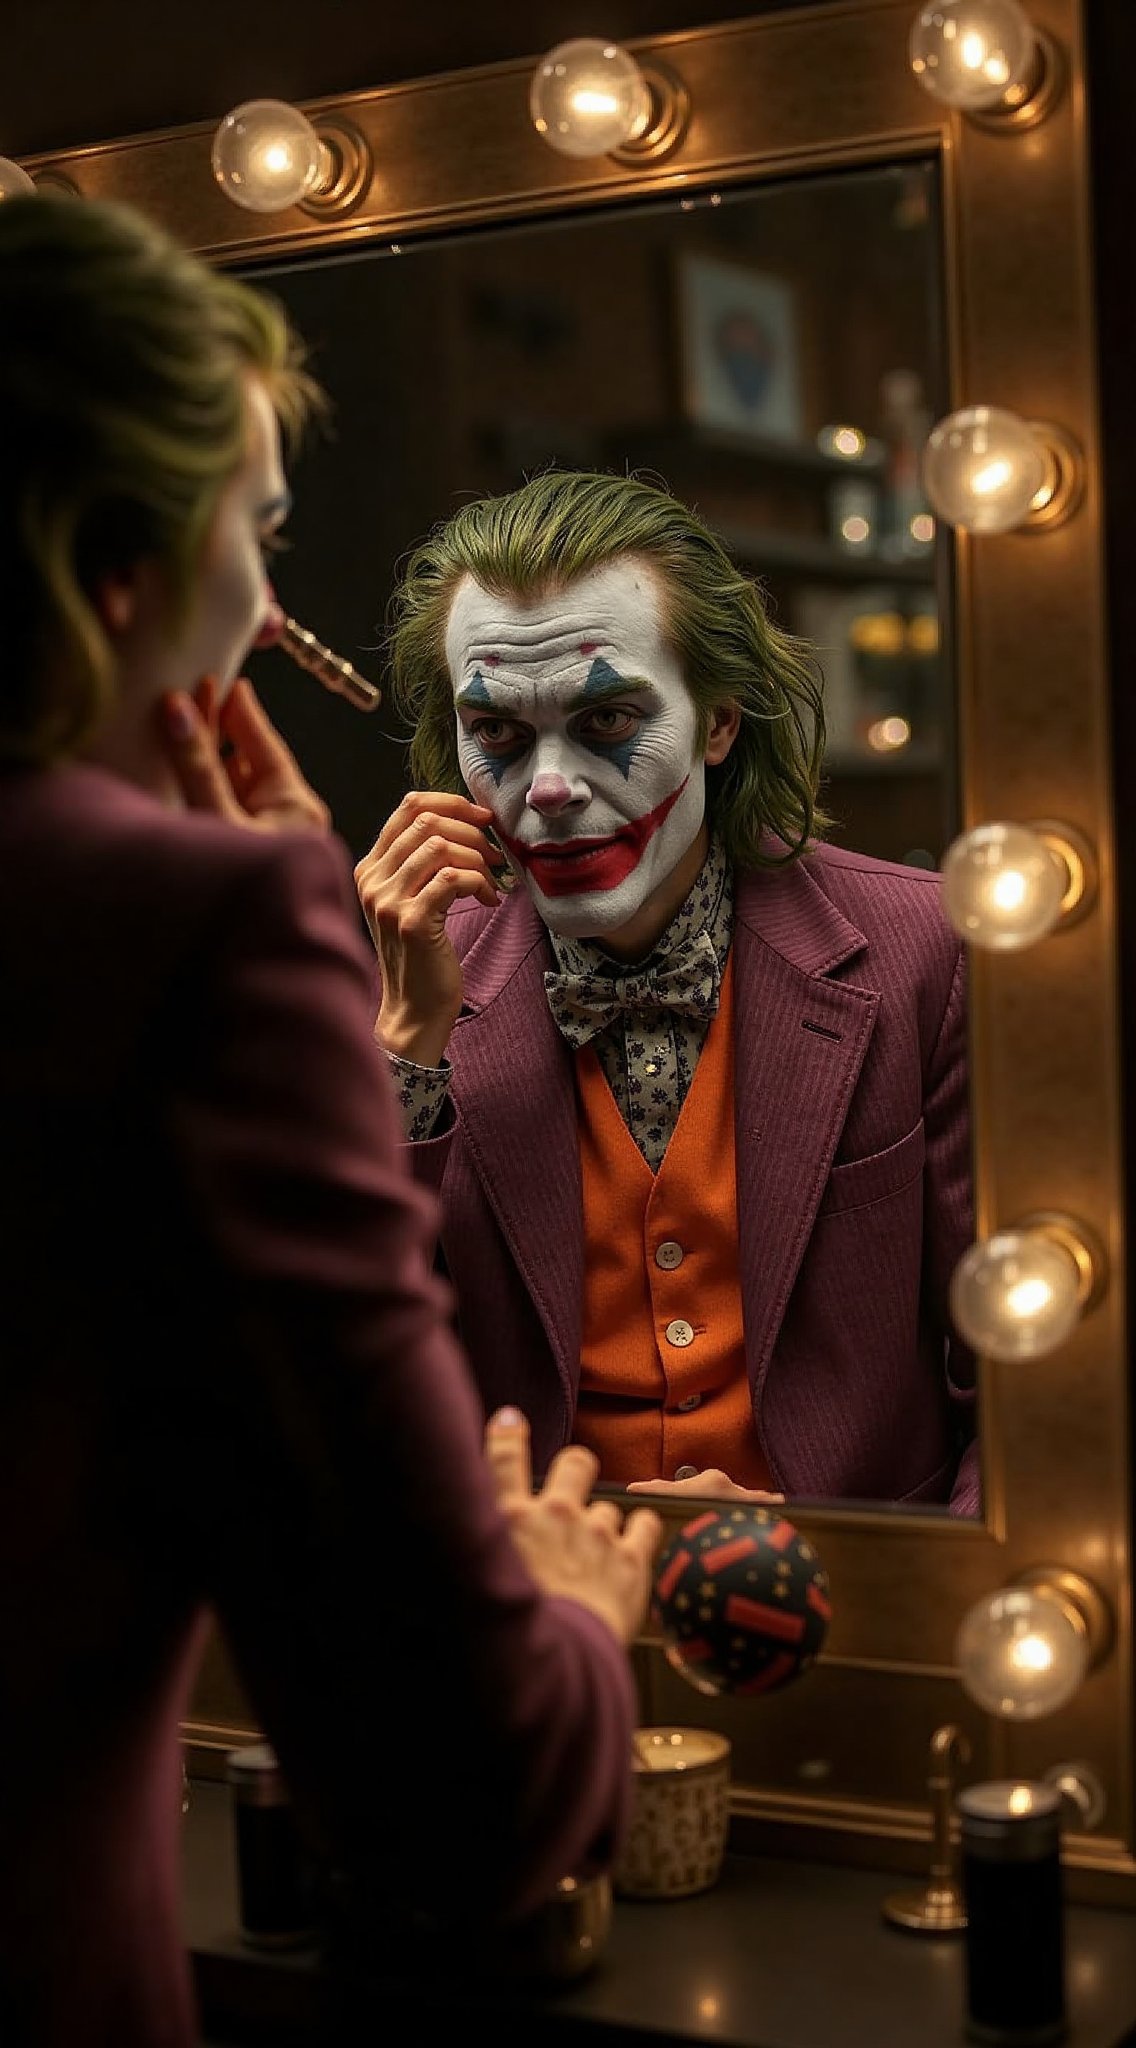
663, 1379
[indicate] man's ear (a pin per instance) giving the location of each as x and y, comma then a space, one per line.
115, 597
725, 724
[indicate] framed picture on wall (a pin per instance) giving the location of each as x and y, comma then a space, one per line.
738, 336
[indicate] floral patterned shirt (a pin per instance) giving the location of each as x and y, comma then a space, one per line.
648, 1061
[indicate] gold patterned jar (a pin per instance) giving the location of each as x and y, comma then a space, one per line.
679, 1816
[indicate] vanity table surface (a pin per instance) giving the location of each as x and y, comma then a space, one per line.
780, 1954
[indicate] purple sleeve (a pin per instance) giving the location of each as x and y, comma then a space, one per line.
949, 1214
432, 1709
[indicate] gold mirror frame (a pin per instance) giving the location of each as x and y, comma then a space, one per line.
837, 1766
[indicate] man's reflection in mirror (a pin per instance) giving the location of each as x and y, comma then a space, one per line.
690, 1082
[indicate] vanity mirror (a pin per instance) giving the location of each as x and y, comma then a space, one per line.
824, 98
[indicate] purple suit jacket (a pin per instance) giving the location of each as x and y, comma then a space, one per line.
853, 1174
228, 1384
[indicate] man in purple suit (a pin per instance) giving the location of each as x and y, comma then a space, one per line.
228, 1385
691, 1084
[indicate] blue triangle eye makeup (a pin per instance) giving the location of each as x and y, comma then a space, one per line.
601, 677
476, 695
602, 680
603, 683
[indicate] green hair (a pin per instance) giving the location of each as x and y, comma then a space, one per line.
555, 528
122, 418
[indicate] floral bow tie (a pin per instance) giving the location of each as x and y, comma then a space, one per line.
686, 983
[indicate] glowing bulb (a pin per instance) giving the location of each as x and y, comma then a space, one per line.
972, 54
848, 442
1022, 1651
267, 156
886, 734
589, 97
984, 469
14, 180
1017, 1294
855, 529
1004, 886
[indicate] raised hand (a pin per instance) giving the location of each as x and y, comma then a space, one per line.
431, 850
229, 758
578, 1548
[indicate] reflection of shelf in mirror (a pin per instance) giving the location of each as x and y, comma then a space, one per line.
814, 557
683, 447
914, 760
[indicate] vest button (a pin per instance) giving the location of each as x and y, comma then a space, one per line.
668, 1255
686, 1471
691, 1401
679, 1333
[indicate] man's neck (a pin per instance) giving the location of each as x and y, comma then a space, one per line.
641, 934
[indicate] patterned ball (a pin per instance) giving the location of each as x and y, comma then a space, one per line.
741, 1600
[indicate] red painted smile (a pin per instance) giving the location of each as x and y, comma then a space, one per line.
575, 867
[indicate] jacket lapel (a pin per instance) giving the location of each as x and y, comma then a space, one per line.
513, 1088
800, 1038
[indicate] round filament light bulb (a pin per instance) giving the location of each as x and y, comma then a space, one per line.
1021, 1652
984, 469
971, 53
267, 156
588, 97
14, 180
1016, 1294
1003, 886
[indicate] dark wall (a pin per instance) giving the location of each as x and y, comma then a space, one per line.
76, 71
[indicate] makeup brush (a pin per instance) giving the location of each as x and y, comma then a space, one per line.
329, 668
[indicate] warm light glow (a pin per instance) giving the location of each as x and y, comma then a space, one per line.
983, 469
1003, 886
922, 527
994, 476
855, 529
584, 102
1009, 890
1028, 1299
1021, 1653
1016, 1294
1021, 1800
878, 633
886, 734
589, 97
267, 156
1032, 1653
972, 54
848, 442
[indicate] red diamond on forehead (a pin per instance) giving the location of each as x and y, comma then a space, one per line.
588, 646
492, 660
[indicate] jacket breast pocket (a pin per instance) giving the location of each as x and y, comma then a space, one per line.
879, 1174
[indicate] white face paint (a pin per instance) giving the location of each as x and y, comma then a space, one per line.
575, 726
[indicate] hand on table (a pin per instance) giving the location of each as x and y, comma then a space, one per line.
712, 1484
